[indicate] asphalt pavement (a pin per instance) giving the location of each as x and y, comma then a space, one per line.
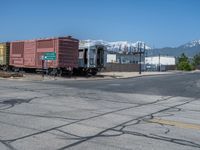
144, 113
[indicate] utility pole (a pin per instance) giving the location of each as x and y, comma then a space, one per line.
140, 52
159, 63
140, 49
145, 55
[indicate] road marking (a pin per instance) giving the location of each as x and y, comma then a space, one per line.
176, 123
114, 84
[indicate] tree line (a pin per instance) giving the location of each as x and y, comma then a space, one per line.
186, 64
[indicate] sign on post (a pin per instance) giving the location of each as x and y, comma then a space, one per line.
49, 56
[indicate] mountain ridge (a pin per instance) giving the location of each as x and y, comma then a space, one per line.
190, 49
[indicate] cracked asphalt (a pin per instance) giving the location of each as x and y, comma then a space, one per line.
145, 113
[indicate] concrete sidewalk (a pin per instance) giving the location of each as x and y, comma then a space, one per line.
99, 76
133, 74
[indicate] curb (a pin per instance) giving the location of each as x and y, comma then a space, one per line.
105, 77
144, 75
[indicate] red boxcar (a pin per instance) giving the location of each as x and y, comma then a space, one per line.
29, 53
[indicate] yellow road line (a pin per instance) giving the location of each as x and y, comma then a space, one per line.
176, 124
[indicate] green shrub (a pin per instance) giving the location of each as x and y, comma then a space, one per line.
183, 63
196, 60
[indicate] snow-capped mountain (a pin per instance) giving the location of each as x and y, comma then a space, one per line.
116, 47
87, 43
191, 44
190, 49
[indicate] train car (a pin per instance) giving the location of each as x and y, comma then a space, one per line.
92, 57
4, 55
30, 54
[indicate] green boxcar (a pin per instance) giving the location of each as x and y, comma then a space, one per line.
4, 54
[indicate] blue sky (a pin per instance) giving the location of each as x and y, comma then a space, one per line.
159, 23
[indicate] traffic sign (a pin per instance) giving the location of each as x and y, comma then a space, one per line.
50, 56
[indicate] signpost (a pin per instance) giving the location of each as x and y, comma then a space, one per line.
47, 56
50, 56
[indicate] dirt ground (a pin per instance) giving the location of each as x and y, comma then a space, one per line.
4, 74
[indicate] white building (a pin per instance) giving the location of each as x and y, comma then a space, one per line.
124, 58
111, 58
159, 63
160, 60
